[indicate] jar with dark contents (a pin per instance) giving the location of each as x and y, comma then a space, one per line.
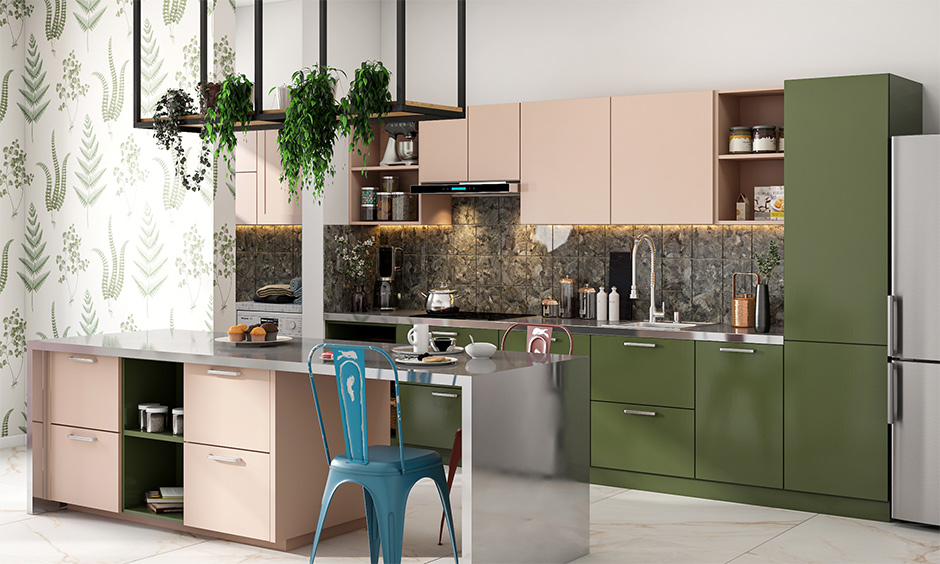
780, 138
383, 206
142, 411
177, 421
764, 138
739, 140
156, 419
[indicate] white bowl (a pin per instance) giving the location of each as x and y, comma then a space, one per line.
480, 350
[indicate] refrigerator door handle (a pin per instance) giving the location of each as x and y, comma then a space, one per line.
892, 393
892, 326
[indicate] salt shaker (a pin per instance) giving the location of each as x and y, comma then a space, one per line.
602, 305
614, 302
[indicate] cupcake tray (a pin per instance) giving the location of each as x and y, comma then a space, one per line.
281, 339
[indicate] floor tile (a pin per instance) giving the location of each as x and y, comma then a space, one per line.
603, 492
13, 466
12, 504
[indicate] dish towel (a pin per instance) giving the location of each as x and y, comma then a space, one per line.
274, 290
296, 286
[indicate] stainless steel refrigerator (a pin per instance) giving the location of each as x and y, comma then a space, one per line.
914, 329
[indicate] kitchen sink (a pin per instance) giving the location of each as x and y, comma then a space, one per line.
655, 325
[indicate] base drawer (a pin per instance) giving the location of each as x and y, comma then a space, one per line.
642, 438
430, 415
84, 467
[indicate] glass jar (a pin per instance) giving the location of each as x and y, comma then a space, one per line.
401, 206
142, 410
368, 195
780, 139
764, 139
739, 141
549, 307
587, 302
383, 206
156, 418
367, 212
390, 184
177, 421
568, 303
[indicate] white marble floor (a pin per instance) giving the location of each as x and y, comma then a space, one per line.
627, 526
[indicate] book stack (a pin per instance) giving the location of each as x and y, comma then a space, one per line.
165, 500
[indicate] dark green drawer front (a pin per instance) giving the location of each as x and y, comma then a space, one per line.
582, 343
652, 372
430, 415
739, 413
463, 334
657, 444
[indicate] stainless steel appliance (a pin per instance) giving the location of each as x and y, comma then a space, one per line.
914, 329
441, 300
468, 188
388, 261
287, 317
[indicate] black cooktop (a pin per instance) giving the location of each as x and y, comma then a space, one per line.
482, 315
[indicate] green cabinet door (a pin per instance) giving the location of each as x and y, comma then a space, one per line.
837, 188
835, 430
430, 415
642, 438
645, 371
560, 344
739, 413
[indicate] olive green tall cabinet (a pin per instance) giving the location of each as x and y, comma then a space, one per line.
837, 171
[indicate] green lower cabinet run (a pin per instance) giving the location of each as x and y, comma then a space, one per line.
560, 345
642, 438
644, 371
739, 413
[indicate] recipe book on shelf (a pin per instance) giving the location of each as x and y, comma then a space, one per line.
153, 497
172, 493
158, 509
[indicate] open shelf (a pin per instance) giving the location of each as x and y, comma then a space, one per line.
168, 437
750, 222
143, 511
751, 157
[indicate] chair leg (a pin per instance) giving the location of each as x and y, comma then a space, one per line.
390, 515
443, 488
456, 454
372, 527
331, 484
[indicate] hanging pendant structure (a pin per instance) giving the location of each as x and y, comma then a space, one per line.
400, 109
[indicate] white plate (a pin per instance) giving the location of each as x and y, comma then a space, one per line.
281, 339
416, 362
408, 349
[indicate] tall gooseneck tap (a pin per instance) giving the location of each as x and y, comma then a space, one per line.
654, 313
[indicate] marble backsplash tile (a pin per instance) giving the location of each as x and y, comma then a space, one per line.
265, 254
498, 264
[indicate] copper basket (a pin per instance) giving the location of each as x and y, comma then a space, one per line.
742, 308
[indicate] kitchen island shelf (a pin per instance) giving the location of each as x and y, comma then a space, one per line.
142, 511
168, 437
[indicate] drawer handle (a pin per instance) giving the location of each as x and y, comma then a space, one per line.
643, 345
223, 458
214, 372
81, 438
554, 339
637, 412
443, 395
745, 351
80, 359
444, 333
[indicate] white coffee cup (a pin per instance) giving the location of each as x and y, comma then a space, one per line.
419, 337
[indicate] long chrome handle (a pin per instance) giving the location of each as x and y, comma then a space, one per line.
892, 393
81, 438
443, 395
80, 359
222, 458
214, 372
643, 345
892, 329
444, 333
637, 412
745, 351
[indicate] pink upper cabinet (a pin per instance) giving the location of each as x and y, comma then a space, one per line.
493, 142
442, 150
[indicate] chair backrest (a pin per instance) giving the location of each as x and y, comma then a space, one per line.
538, 337
349, 365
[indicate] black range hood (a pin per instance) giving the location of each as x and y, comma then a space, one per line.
468, 188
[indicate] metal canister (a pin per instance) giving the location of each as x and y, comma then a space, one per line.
739, 140
587, 300
550, 307
569, 307
742, 309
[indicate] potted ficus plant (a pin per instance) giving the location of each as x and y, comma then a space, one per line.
232, 106
765, 268
169, 112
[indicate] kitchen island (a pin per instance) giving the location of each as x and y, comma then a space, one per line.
250, 460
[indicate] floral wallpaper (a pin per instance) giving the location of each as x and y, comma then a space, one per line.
96, 233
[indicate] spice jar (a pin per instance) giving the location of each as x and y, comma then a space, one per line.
550, 307
368, 195
383, 206
587, 299
568, 305
177, 421
390, 184
142, 409
367, 212
764, 138
739, 141
780, 138
156, 418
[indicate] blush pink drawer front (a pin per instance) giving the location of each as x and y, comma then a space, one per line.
83, 391
227, 490
83, 467
228, 407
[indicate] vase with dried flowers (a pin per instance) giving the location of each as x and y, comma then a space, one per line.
353, 260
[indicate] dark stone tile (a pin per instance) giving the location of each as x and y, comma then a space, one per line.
533, 301
438, 240
282, 239
540, 239
655, 233
515, 271
297, 266
541, 275
565, 266
592, 240
513, 299
508, 210
487, 210
390, 236
465, 297
678, 301
762, 235
489, 270
517, 240
489, 240
465, 269
241, 238
706, 308
489, 299
706, 241
736, 242
619, 238
565, 241
273, 268
677, 241
413, 239
244, 277
439, 270
463, 212
463, 239
677, 275
593, 271
706, 279
298, 237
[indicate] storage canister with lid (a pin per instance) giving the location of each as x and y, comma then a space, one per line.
368, 195
780, 138
142, 410
739, 141
569, 305
156, 418
764, 138
550, 307
587, 299
367, 212
404, 207
383, 206
177, 421
390, 184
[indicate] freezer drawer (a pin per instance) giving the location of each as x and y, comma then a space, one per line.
915, 483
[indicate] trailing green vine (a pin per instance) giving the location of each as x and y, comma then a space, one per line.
368, 95
168, 114
233, 106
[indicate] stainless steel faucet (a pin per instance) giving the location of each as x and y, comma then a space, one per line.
654, 313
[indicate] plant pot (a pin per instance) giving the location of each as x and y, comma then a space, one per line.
209, 94
359, 302
762, 309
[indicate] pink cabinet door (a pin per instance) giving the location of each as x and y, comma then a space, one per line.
493, 142
442, 150
246, 198
227, 490
83, 391
246, 151
273, 207
565, 162
228, 406
662, 158
83, 467
39, 460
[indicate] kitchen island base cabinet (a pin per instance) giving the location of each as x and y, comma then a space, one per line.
643, 438
83, 467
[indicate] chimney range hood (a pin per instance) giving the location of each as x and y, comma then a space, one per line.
501, 188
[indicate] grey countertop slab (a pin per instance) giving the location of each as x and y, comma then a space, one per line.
707, 332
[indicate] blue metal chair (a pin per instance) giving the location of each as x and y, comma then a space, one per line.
386, 473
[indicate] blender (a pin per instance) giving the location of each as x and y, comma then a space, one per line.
388, 262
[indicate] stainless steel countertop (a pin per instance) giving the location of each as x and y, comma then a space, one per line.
713, 332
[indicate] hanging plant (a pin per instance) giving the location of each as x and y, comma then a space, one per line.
168, 114
232, 107
368, 95
310, 128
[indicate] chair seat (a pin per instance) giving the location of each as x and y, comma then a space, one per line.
384, 459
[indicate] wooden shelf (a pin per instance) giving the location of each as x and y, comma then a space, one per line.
144, 512
168, 437
398, 168
751, 157
750, 222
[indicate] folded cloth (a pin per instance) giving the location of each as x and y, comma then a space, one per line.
296, 284
274, 290
281, 299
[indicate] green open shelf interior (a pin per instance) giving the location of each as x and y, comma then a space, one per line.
168, 437
149, 465
142, 510
150, 381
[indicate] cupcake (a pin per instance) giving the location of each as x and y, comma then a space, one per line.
257, 334
236, 333
271, 331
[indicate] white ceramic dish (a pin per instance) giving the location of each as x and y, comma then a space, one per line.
414, 361
408, 349
481, 350
281, 339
